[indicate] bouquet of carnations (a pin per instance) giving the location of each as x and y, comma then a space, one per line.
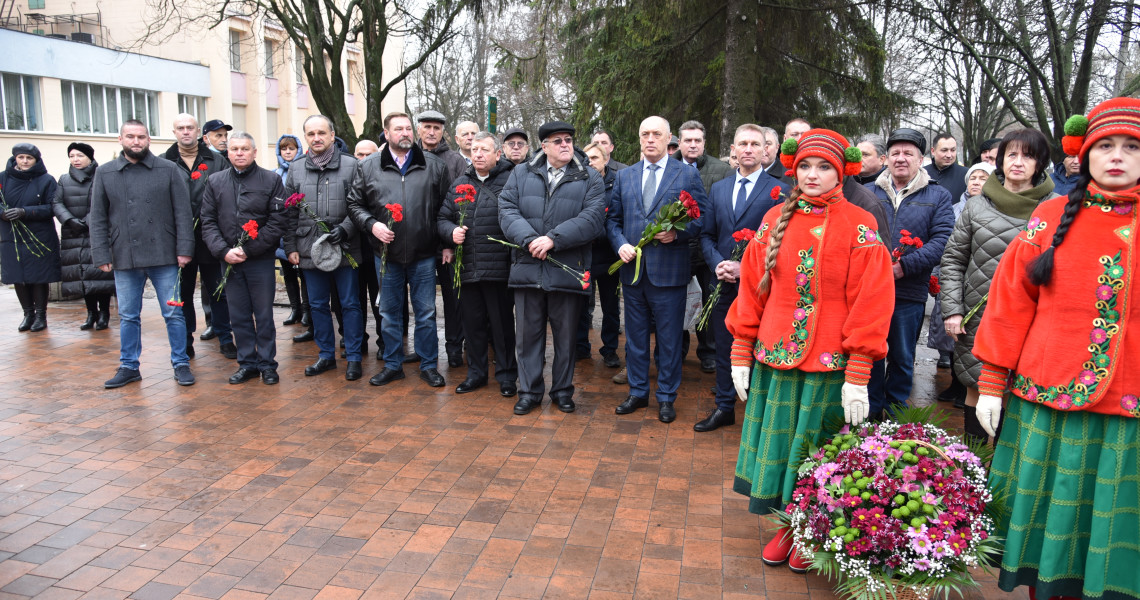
395, 215
297, 200
741, 238
466, 196
906, 241
248, 232
673, 216
892, 506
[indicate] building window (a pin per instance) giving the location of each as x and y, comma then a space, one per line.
271, 125
192, 105
298, 65
235, 51
20, 102
91, 108
36, 4
270, 58
239, 118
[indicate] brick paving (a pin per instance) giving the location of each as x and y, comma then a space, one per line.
322, 488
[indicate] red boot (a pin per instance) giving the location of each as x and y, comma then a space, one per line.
797, 563
777, 550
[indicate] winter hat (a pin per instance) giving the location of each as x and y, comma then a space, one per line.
825, 144
553, 127
906, 134
84, 148
982, 166
26, 148
1111, 117
325, 254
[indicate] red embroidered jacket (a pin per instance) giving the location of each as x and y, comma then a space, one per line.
1067, 344
831, 295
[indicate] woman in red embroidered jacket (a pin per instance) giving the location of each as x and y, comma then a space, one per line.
815, 303
1056, 341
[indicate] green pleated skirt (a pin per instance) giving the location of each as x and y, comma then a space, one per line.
1072, 486
785, 409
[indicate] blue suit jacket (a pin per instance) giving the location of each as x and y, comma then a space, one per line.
664, 264
719, 222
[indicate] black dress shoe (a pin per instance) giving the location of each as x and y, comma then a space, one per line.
303, 337
454, 360
432, 377
508, 389
716, 419
665, 412
565, 404
354, 371
525, 405
470, 385
708, 365
322, 365
270, 377
244, 374
386, 376
611, 360
229, 350
208, 334
631, 404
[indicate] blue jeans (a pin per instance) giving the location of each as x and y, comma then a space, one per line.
420, 277
347, 284
893, 377
129, 285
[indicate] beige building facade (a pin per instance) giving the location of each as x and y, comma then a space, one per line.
68, 76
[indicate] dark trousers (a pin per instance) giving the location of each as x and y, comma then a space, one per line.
97, 302
220, 313
649, 307
369, 294
893, 377
488, 321
725, 390
606, 288
250, 291
452, 324
533, 309
706, 339
295, 286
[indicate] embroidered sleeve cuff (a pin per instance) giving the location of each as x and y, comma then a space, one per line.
858, 369
993, 380
742, 353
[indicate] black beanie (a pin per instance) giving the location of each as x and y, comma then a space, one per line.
84, 148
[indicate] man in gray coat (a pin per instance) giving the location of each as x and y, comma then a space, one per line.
552, 208
141, 226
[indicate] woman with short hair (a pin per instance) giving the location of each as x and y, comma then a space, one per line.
29, 246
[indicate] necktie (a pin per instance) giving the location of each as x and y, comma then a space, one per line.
555, 176
650, 189
741, 198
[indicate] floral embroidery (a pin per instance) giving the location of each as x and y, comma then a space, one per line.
760, 234
866, 234
808, 208
833, 361
789, 352
1106, 206
1131, 404
1033, 227
1081, 390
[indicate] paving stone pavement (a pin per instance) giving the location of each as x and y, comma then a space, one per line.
322, 488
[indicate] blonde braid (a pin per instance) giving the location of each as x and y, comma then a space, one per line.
777, 237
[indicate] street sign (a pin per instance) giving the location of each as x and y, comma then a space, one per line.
492, 113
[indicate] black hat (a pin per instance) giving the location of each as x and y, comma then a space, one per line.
990, 144
84, 148
673, 141
516, 131
911, 136
216, 124
553, 127
433, 116
26, 148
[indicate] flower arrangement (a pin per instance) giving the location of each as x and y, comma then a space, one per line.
395, 215
197, 174
249, 232
673, 216
906, 241
890, 506
741, 238
297, 200
935, 285
466, 196
583, 277
22, 234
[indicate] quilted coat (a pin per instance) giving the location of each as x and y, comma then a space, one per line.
72, 203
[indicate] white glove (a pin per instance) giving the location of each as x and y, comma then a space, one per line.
989, 413
856, 406
740, 377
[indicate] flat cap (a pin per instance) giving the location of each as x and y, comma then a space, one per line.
908, 135
515, 131
431, 115
553, 127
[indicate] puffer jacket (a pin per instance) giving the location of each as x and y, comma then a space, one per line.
926, 211
572, 214
483, 260
326, 195
207, 163
283, 165
972, 255
72, 203
32, 190
232, 199
456, 164
420, 191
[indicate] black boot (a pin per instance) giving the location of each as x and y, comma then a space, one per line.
294, 316
973, 427
40, 321
39, 299
24, 294
306, 316
29, 316
103, 320
90, 322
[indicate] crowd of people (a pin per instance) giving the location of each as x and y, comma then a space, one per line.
822, 250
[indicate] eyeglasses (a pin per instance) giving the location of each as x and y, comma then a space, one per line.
519, 144
565, 141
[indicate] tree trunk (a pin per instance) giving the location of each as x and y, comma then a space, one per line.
741, 69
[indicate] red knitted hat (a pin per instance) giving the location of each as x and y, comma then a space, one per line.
825, 144
1111, 117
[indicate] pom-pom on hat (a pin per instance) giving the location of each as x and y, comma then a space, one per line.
825, 144
1111, 117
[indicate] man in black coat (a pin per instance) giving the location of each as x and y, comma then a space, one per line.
944, 168
233, 199
196, 163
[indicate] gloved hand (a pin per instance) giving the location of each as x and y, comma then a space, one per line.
856, 406
740, 377
13, 214
337, 235
989, 413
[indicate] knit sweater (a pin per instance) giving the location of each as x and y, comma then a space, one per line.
1067, 344
831, 295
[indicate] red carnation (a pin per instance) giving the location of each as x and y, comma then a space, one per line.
397, 212
202, 167
586, 276
935, 285
775, 193
905, 233
195, 175
743, 235
250, 228
466, 193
